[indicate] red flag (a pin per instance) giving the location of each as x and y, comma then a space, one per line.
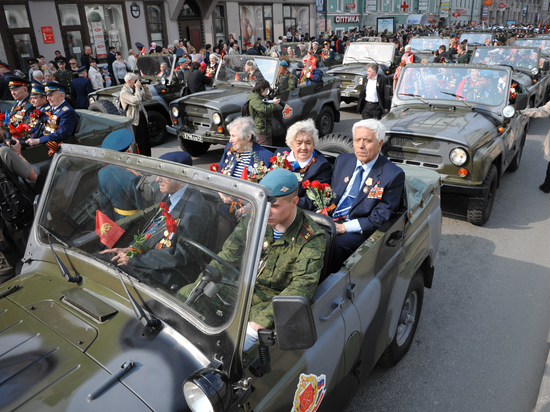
107, 230
244, 174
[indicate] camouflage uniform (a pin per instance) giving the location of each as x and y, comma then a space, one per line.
293, 264
291, 81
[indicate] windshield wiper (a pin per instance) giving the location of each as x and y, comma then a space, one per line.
62, 268
417, 96
460, 97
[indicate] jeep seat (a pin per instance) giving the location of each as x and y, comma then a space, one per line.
330, 231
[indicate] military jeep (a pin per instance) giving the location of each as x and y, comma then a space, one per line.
358, 54
79, 333
468, 132
201, 119
164, 90
425, 47
542, 44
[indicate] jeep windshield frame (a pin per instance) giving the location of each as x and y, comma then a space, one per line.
369, 52
169, 263
521, 58
148, 66
542, 44
475, 39
232, 70
431, 80
428, 43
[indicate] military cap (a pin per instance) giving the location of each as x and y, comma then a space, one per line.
179, 157
60, 60
37, 88
51, 87
31, 60
326, 42
140, 45
4, 64
112, 48
81, 69
283, 63
280, 181
487, 73
118, 140
15, 81
180, 52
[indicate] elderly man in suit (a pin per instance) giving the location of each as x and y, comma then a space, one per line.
367, 187
372, 102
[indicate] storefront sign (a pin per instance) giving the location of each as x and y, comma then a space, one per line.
346, 19
502, 6
99, 40
371, 5
445, 6
350, 6
47, 34
488, 2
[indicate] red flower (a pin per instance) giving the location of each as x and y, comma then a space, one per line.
165, 214
2, 117
171, 224
163, 206
214, 167
306, 184
148, 236
315, 184
273, 159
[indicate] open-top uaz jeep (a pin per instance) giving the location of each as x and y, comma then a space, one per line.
202, 118
461, 121
425, 47
542, 44
164, 90
86, 335
353, 70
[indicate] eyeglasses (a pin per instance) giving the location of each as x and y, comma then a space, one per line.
73, 64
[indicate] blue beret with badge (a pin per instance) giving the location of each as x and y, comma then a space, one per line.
37, 88
118, 140
280, 181
182, 60
283, 63
183, 158
51, 87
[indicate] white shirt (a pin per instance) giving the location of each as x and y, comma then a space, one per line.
371, 95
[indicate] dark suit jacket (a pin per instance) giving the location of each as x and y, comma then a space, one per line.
371, 213
80, 88
320, 170
110, 59
197, 80
380, 86
5, 93
85, 60
165, 264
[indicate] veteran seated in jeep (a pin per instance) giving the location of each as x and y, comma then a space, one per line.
290, 264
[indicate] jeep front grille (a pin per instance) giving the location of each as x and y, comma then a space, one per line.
415, 158
415, 143
196, 116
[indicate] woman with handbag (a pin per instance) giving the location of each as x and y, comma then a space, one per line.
543, 111
132, 96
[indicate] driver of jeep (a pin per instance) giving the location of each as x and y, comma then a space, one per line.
431, 87
251, 72
290, 263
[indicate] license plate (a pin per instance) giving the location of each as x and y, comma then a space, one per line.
194, 137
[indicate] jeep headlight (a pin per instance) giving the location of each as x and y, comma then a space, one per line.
116, 102
207, 390
217, 118
163, 81
91, 99
508, 111
360, 81
458, 156
175, 111
535, 71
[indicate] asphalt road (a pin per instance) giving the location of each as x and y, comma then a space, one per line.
482, 340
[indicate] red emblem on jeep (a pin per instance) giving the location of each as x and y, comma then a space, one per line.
309, 393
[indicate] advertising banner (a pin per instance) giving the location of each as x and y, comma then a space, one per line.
99, 39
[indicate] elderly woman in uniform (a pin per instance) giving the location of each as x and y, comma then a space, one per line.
307, 163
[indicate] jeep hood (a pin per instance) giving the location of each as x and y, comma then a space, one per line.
463, 127
53, 358
214, 98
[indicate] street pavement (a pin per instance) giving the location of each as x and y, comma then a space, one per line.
482, 340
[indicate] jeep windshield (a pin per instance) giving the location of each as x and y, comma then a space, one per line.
93, 206
294, 50
149, 65
527, 58
543, 45
369, 53
429, 43
475, 39
247, 69
474, 85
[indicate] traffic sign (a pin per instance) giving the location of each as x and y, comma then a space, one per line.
502, 6
456, 14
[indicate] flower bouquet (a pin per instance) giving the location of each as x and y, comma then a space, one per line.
21, 130
321, 194
280, 161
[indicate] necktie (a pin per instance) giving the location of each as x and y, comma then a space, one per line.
346, 204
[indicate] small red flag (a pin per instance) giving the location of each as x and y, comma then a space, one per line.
107, 230
244, 174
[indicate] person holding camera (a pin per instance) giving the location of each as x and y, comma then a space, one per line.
261, 110
132, 96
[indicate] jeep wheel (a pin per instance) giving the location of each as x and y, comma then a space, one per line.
194, 148
407, 323
325, 121
157, 128
514, 164
103, 106
479, 208
335, 143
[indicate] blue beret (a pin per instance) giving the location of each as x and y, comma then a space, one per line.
118, 140
280, 181
182, 60
37, 88
179, 157
81, 69
283, 63
51, 87
487, 73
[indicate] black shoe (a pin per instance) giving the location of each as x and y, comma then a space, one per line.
544, 189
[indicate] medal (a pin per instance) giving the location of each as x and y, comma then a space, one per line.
265, 245
166, 233
167, 243
346, 179
369, 181
365, 189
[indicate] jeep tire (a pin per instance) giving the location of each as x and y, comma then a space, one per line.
193, 148
157, 128
479, 208
103, 106
335, 143
325, 121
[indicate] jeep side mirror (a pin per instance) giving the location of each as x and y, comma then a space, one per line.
545, 66
294, 322
521, 101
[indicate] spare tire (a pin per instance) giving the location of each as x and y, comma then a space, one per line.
335, 143
103, 106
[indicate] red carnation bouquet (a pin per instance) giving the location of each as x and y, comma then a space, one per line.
139, 245
280, 161
320, 193
22, 130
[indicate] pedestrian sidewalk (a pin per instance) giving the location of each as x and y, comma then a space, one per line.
543, 401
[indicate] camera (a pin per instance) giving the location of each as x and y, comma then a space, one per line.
145, 81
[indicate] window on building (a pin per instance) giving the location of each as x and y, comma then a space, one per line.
220, 32
296, 19
106, 28
257, 21
68, 14
340, 5
16, 16
155, 22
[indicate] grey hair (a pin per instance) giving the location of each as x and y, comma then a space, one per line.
214, 55
252, 63
302, 127
373, 125
373, 66
246, 128
130, 76
37, 73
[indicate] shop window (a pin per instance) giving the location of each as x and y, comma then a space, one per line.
189, 10
219, 24
106, 28
16, 16
297, 19
155, 21
255, 23
68, 14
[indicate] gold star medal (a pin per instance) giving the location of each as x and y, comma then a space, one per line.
346, 179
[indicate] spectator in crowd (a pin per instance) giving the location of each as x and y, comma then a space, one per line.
120, 68
48, 76
262, 111
37, 76
110, 60
107, 76
81, 87
52, 66
85, 58
197, 80
132, 58
132, 96
95, 76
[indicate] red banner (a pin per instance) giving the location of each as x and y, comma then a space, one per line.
108, 231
